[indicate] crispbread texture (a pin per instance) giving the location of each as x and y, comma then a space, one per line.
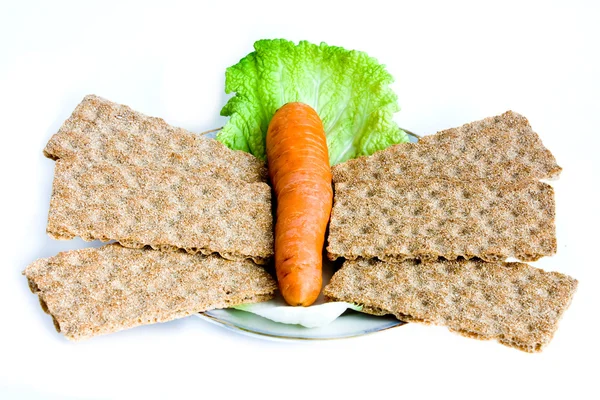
92, 291
102, 131
500, 148
164, 208
516, 304
431, 218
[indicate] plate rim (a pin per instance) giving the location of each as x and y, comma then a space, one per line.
240, 329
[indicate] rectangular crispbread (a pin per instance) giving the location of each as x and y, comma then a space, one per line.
516, 304
102, 131
431, 218
92, 292
501, 148
164, 208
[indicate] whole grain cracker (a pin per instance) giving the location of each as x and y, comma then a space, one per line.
102, 131
501, 148
514, 303
93, 292
164, 208
431, 218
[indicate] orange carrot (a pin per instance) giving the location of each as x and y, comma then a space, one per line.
298, 163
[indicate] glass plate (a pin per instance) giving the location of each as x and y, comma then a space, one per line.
349, 324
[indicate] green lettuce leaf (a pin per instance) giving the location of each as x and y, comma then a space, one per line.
348, 89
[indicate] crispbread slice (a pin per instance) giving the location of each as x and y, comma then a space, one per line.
431, 218
92, 291
501, 148
102, 131
516, 304
165, 208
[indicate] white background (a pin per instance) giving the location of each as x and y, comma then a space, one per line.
454, 62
